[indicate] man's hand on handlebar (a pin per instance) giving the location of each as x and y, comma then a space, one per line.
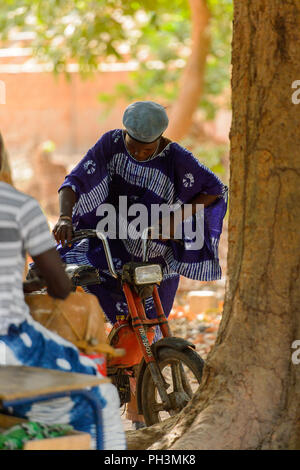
63, 231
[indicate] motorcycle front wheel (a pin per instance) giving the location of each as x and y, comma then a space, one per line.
182, 372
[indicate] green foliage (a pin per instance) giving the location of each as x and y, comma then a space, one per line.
154, 32
217, 73
164, 41
66, 30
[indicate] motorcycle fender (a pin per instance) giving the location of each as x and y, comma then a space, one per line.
171, 342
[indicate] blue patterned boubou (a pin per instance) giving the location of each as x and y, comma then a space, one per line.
173, 176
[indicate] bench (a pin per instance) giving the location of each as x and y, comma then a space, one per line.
20, 385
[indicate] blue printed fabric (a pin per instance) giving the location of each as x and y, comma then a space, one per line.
173, 177
30, 344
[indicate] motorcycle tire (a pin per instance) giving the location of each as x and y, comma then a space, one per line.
180, 394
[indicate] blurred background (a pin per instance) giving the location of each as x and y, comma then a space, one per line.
70, 67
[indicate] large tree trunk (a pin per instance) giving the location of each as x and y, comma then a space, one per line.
250, 395
191, 83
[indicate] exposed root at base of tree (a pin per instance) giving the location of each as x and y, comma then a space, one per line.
146, 437
227, 415
153, 436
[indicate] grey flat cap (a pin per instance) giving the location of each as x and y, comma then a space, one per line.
145, 121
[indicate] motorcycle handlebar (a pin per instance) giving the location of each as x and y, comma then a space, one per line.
91, 233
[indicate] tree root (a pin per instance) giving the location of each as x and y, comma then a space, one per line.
161, 435
146, 437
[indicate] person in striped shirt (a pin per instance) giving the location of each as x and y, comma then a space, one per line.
24, 228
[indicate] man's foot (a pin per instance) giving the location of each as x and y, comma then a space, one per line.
138, 425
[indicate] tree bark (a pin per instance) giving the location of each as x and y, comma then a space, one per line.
250, 394
191, 83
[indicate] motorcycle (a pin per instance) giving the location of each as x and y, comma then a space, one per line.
169, 370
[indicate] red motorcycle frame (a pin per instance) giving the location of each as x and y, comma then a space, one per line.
136, 333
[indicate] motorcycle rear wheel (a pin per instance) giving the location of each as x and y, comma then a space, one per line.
180, 393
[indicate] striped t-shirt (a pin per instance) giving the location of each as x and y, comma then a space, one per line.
23, 228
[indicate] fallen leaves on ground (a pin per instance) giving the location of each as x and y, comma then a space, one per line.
199, 328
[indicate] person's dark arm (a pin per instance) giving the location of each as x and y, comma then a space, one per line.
52, 271
67, 199
39, 244
63, 230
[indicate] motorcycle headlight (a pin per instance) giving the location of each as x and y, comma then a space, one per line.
148, 274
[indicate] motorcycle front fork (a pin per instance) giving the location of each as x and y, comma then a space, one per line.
139, 319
